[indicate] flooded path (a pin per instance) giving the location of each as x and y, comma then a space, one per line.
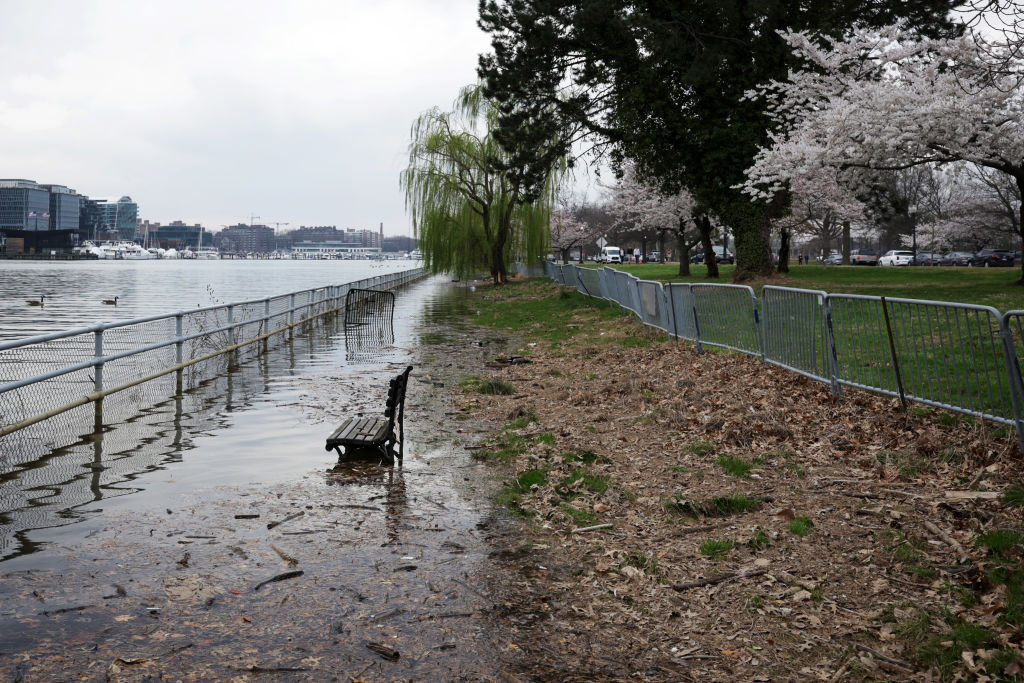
357, 572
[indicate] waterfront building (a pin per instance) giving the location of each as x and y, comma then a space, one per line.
246, 239
24, 205
351, 238
178, 235
65, 207
120, 217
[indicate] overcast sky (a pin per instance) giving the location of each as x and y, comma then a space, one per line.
210, 111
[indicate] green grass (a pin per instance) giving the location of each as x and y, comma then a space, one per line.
594, 483
715, 548
983, 286
939, 650
495, 387
509, 496
801, 526
1014, 495
543, 310
701, 449
760, 541
646, 563
719, 506
579, 517
737, 467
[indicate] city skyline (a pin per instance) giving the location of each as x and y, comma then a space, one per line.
225, 114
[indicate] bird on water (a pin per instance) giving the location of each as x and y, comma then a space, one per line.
110, 302
33, 302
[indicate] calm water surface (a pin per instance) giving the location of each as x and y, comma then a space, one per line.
74, 291
263, 421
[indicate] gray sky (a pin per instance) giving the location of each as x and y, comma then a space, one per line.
295, 111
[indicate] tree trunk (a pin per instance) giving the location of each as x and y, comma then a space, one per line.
752, 236
846, 242
1019, 177
661, 245
704, 226
783, 266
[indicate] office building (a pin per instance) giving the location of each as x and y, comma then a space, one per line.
65, 207
120, 217
246, 239
24, 205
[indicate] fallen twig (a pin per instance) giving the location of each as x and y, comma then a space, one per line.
591, 528
718, 579
384, 651
279, 577
943, 536
271, 525
886, 658
289, 560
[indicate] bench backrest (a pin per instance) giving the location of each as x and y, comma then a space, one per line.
395, 404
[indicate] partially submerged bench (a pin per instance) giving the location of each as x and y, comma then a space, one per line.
376, 432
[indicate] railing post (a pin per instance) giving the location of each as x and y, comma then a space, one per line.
98, 377
833, 370
895, 358
179, 350
231, 324
291, 315
265, 328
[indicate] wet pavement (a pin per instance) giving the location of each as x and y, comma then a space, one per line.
351, 572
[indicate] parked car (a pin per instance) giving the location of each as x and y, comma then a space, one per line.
722, 255
991, 258
956, 258
833, 260
895, 257
925, 258
863, 257
654, 257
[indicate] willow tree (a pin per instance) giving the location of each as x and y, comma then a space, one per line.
472, 205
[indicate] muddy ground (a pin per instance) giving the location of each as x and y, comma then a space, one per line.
633, 511
355, 572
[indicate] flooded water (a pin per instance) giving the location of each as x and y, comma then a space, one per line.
214, 538
73, 292
264, 420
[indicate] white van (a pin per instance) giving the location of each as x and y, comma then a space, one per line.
610, 255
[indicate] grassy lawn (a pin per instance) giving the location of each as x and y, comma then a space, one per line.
984, 286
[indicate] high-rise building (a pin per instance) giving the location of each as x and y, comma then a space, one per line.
121, 217
65, 207
24, 205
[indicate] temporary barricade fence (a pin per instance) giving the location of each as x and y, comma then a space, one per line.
57, 375
959, 357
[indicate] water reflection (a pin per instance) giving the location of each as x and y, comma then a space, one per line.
369, 325
56, 473
389, 477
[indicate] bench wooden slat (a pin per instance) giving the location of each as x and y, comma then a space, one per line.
379, 431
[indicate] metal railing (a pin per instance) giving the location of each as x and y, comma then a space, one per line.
959, 357
106, 372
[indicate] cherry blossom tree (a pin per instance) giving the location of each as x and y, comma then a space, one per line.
884, 99
570, 231
644, 206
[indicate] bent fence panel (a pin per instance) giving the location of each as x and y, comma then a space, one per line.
795, 329
588, 282
727, 317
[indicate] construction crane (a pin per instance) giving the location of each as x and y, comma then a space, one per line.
277, 225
